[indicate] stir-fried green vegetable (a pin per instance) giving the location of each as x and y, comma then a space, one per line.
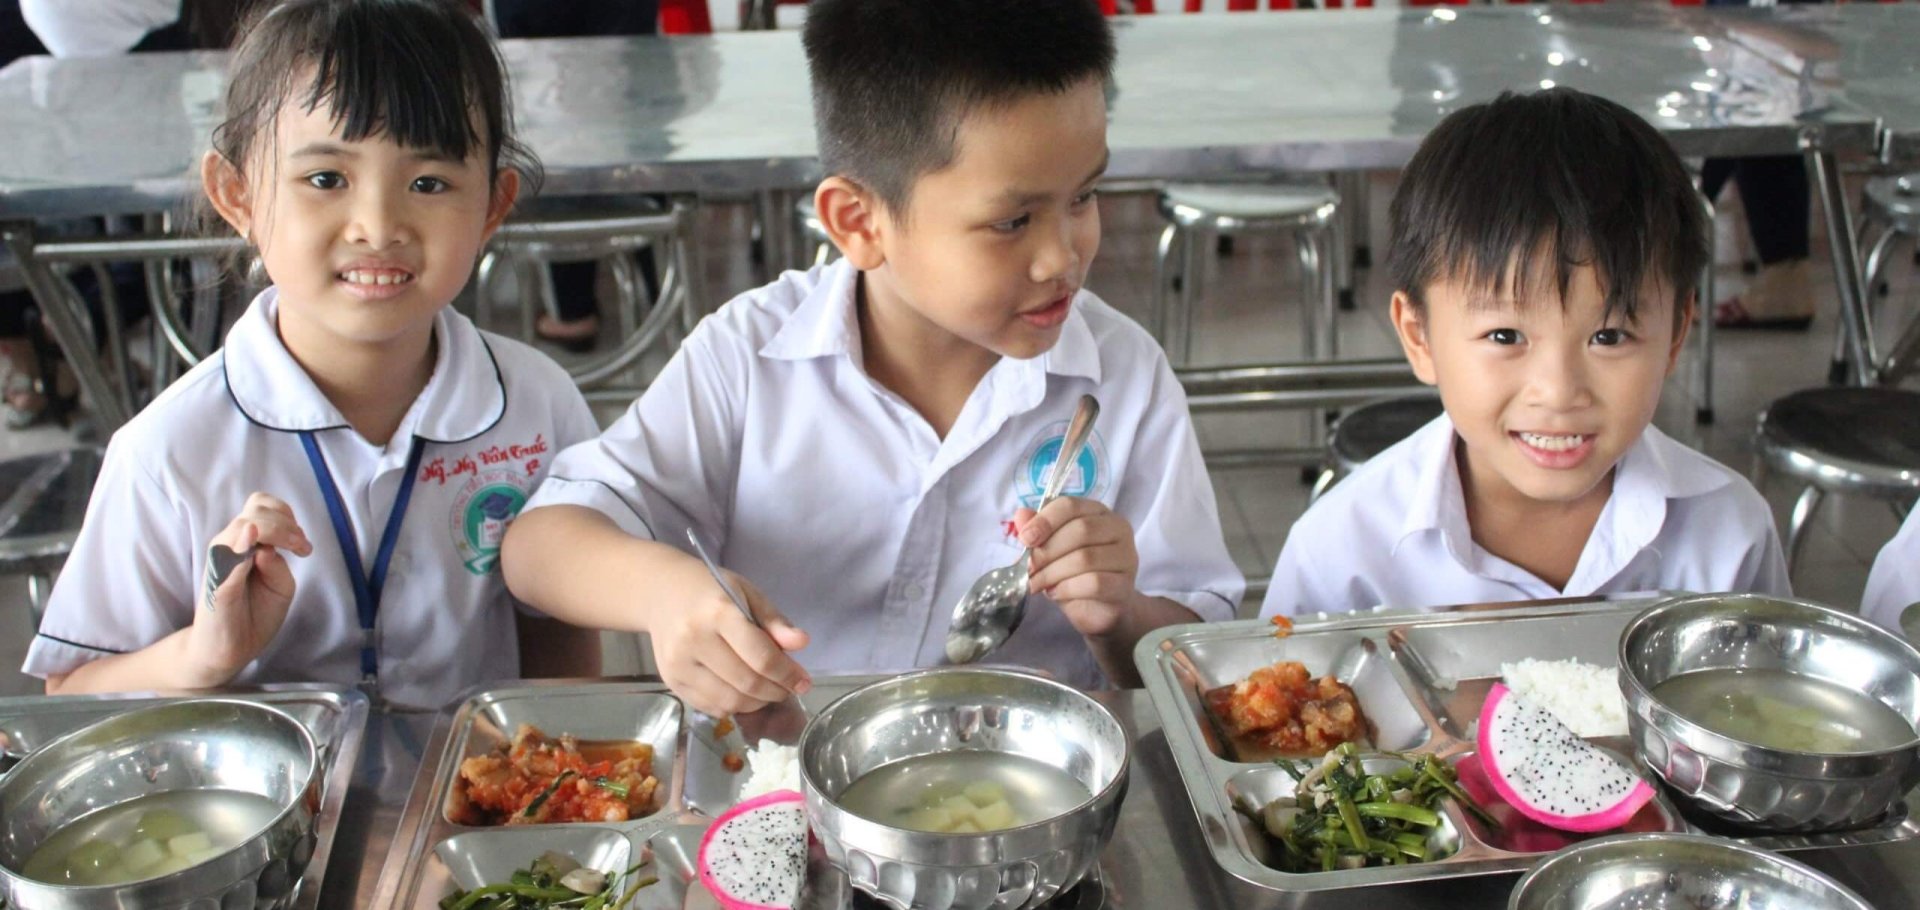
1341, 817
553, 882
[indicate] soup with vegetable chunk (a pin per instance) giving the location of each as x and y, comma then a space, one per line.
963, 792
1781, 710
149, 837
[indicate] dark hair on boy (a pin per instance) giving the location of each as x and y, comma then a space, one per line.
893, 79
1501, 192
420, 72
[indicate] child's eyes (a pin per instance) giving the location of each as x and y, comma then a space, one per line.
429, 185
326, 180
1081, 200
1010, 225
1607, 338
1503, 336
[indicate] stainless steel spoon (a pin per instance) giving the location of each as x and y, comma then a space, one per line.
997, 602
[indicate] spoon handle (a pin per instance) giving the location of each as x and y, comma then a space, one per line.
713, 568
1077, 432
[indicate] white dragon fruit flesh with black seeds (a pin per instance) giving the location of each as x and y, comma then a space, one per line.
1551, 775
754, 856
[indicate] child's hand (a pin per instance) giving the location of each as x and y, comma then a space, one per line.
715, 659
239, 620
1083, 558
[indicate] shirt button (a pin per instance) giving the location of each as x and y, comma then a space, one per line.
913, 591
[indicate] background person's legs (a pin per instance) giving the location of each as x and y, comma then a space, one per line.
1774, 191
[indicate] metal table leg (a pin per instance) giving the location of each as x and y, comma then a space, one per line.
1844, 247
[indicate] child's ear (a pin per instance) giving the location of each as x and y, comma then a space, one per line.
227, 190
1682, 327
1410, 325
851, 216
506, 190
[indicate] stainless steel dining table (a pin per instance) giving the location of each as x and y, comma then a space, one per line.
1204, 96
1157, 859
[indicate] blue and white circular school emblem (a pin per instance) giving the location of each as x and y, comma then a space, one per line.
481, 511
1087, 479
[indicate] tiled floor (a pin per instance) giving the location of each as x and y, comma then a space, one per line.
1248, 316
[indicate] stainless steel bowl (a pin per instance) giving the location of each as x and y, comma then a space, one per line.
1753, 786
955, 710
201, 744
1677, 871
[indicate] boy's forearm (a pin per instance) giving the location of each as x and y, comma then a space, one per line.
1113, 651
165, 664
575, 565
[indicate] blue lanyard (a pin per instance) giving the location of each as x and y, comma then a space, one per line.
366, 588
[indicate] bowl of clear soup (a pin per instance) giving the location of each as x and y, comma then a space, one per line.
1773, 714
184, 804
964, 788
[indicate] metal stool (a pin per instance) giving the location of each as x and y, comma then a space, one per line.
1370, 429
1852, 441
43, 499
1196, 212
1891, 204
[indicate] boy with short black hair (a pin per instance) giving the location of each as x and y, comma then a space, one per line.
1546, 249
855, 439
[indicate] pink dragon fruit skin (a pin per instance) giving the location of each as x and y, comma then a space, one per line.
1551, 775
754, 856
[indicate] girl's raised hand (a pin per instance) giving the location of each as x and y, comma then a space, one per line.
236, 620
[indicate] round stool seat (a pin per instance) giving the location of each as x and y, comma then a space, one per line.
1234, 207
1860, 441
1370, 429
1896, 200
43, 499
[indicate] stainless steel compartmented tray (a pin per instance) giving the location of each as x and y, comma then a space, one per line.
1421, 679
433, 855
336, 716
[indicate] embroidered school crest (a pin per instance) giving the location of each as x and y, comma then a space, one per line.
481, 510
1087, 479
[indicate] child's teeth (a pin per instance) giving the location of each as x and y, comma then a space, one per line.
376, 278
1550, 443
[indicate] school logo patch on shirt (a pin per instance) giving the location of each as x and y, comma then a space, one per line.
1087, 479
481, 510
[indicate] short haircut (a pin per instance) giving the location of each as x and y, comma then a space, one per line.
893, 79
420, 72
1503, 191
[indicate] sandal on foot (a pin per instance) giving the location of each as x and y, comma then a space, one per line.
1732, 314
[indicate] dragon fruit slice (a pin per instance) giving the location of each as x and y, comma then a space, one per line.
1551, 775
754, 857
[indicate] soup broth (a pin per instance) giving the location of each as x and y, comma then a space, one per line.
963, 792
149, 837
1781, 710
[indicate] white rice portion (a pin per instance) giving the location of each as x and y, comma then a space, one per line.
1583, 696
770, 767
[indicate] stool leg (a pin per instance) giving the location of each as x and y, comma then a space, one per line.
1162, 276
1342, 252
1869, 276
1307, 256
1360, 207
1703, 311
1191, 242
39, 588
482, 281
1803, 509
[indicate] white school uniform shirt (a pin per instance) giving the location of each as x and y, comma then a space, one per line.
1394, 534
494, 415
766, 436
1894, 583
96, 28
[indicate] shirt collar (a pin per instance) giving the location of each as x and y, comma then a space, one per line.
826, 324
464, 398
1654, 470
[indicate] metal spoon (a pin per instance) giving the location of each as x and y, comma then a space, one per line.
997, 602
732, 741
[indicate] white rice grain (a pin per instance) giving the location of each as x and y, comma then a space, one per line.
1583, 696
770, 767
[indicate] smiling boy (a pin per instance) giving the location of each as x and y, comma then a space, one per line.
863, 440
1545, 248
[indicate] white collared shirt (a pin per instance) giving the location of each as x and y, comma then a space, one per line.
834, 496
1894, 583
494, 414
96, 28
1395, 534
